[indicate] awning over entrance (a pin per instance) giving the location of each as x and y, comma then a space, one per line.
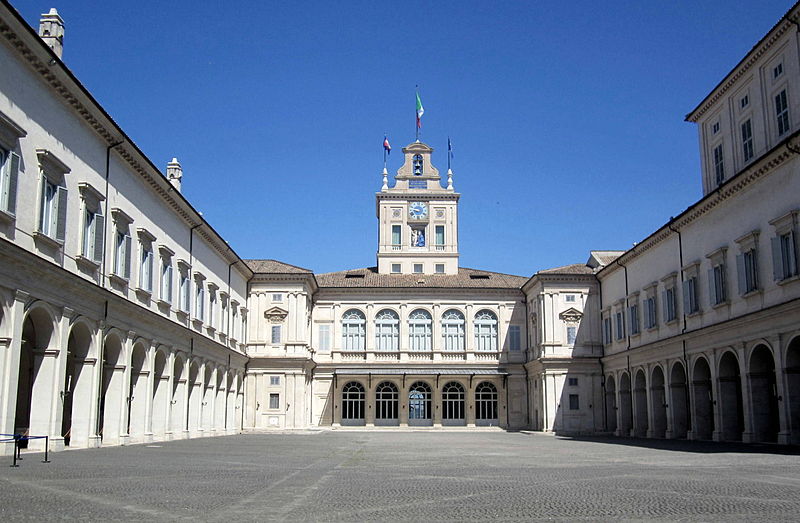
412, 371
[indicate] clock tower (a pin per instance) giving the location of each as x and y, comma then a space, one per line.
417, 218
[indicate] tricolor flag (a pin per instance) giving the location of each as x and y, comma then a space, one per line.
420, 111
449, 147
386, 146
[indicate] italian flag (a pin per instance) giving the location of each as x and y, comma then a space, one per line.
420, 111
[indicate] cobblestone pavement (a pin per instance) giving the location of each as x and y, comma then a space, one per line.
378, 476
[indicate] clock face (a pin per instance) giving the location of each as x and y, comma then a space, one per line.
417, 210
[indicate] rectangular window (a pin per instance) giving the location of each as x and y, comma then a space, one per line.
514, 338
440, 268
782, 113
715, 128
184, 290
396, 268
122, 264
572, 334
166, 280
606, 330
633, 316
777, 70
418, 268
620, 326
212, 308
276, 334
93, 227
717, 286
747, 141
690, 302
146, 267
53, 212
277, 297
572, 382
274, 380
650, 312
784, 256
200, 300
670, 314
440, 235
570, 298
9, 173
574, 402
744, 102
274, 401
396, 235
324, 338
747, 271
719, 166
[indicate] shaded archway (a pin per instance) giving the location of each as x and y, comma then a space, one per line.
178, 403
763, 395
77, 392
611, 404
658, 403
703, 406
730, 397
138, 393
112, 395
625, 405
640, 404
679, 400
33, 391
793, 388
159, 420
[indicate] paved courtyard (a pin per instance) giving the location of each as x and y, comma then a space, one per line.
371, 476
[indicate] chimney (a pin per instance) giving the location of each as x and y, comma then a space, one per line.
51, 30
174, 173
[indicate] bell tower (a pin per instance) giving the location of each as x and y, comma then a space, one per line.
417, 218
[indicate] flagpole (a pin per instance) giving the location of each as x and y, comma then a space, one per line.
416, 116
448, 153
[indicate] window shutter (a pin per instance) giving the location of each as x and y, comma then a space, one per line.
665, 305
169, 283
740, 273
10, 197
791, 256
686, 300
127, 255
712, 288
42, 202
777, 263
61, 225
99, 228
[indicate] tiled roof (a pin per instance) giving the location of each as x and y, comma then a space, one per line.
605, 257
575, 268
466, 278
275, 267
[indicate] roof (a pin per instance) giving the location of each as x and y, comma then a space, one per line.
602, 258
275, 267
465, 279
575, 268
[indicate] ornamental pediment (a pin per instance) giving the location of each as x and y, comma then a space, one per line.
276, 315
571, 315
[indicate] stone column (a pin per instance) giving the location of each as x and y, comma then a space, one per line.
150, 360
470, 401
9, 367
784, 415
436, 400
649, 398
716, 397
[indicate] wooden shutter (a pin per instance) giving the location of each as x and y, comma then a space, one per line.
10, 195
740, 273
791, 256
61, 213
99, 227
686, 301
127, 256
777, 262
712, 288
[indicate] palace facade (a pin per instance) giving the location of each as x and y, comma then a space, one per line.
125, 317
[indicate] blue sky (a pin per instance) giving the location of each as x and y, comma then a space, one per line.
566, 117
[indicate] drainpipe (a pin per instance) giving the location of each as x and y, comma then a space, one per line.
683, 329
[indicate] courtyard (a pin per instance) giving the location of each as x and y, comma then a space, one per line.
385, 475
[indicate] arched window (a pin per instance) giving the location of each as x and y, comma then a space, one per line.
417, 164
353, 402
453, 330
419, 401
485, 331
453, 401
486, 403
386, 396
387, 330
419, 328
353, 330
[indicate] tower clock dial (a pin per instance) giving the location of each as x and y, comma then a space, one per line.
417, 210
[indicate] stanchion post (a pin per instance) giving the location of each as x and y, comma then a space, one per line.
14, 462
46, 449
